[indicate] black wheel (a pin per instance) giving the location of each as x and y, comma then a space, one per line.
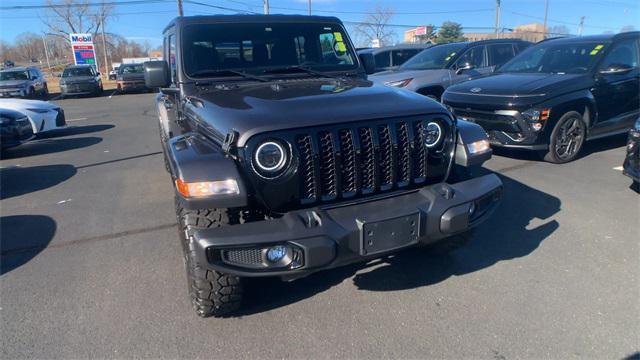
450, 244
567, 138
45, 91
212, 293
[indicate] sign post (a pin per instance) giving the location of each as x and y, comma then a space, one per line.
83, 50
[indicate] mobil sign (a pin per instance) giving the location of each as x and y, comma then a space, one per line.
83, 50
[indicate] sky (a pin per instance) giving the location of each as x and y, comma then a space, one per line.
145, 22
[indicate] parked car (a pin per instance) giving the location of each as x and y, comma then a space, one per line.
43, 115
131, 78
288, 162
631, 164
80, 80
432, 70
8, 64
24, 82
556, 95
113, 74
391, 57
15, 128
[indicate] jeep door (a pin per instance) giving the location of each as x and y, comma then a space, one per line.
168, 102
617, 92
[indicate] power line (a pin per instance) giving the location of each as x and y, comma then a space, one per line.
11, 16
57, 6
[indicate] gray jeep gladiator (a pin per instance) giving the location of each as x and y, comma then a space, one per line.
286, 160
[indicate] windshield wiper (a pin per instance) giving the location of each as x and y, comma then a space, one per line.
294, 68
227, 72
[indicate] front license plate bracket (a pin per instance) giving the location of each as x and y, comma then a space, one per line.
389, 234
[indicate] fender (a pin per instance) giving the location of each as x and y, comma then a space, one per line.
581, 101
193, 158
469, 133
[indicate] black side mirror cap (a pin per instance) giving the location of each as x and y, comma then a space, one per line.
368, 63
156, 74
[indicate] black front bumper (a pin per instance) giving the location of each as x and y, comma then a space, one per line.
15, 134
328, 237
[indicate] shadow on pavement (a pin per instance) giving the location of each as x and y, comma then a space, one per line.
515, 230
22, 237
75, 130
18, 181
49, 146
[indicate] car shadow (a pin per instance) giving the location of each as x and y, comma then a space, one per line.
22, 237
16, 181
74, 130
513, 231
49, 146
591, 147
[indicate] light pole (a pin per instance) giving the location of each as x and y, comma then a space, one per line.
497, 24
546, 13
309, 2
266, 6
104, 50
46, 53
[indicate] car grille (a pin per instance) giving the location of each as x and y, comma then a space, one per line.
489, 119
357, 159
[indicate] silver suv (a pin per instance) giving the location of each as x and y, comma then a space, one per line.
24, 82
432, 70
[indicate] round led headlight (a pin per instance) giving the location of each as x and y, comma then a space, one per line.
270, 157
432, 134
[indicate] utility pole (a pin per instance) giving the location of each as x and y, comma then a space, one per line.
546, 13
497, 24
46, 52
180, 12
104, 49
309, 2
266, 7
581, 26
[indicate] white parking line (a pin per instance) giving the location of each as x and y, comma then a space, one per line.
618, 168
113, 93
78, 119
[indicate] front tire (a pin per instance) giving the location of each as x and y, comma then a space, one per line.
212, 293
567, 139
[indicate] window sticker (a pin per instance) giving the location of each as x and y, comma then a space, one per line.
337, 36
450, 56
596, 50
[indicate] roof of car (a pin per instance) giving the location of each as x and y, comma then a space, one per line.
212, 19
18, 68
395, 47
602, 37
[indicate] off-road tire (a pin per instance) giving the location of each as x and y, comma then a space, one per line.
212, 293
450, 244
550, 155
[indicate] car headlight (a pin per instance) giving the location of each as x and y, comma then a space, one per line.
399, 83
270, 158
432, 134
39, 111
536, 117
478, 147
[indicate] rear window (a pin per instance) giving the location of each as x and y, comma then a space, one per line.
131, 69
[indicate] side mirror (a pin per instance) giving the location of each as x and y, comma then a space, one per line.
368, 63
98, 74
156, 74
464, 68
616, 69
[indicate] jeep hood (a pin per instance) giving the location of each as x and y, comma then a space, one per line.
254, 108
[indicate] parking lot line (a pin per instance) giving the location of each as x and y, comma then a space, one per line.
78, 119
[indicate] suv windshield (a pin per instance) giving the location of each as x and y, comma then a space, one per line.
209, 48
131, 69
436, 57
14, 75
79, 71
564, 58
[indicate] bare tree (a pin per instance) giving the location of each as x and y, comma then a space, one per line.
558, 30
376, 25
75, 16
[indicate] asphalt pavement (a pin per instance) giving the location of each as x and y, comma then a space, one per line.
92, 267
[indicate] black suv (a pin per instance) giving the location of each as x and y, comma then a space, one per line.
287, 161
556, 95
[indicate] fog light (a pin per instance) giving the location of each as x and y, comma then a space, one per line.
276, 254
536, 126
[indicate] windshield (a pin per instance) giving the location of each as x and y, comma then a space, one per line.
259, 47
563, 58
14, 75
79, 71
436, 57
131, 69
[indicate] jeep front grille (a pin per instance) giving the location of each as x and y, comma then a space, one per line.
361, 160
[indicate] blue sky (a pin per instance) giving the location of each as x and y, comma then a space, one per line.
145, 22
